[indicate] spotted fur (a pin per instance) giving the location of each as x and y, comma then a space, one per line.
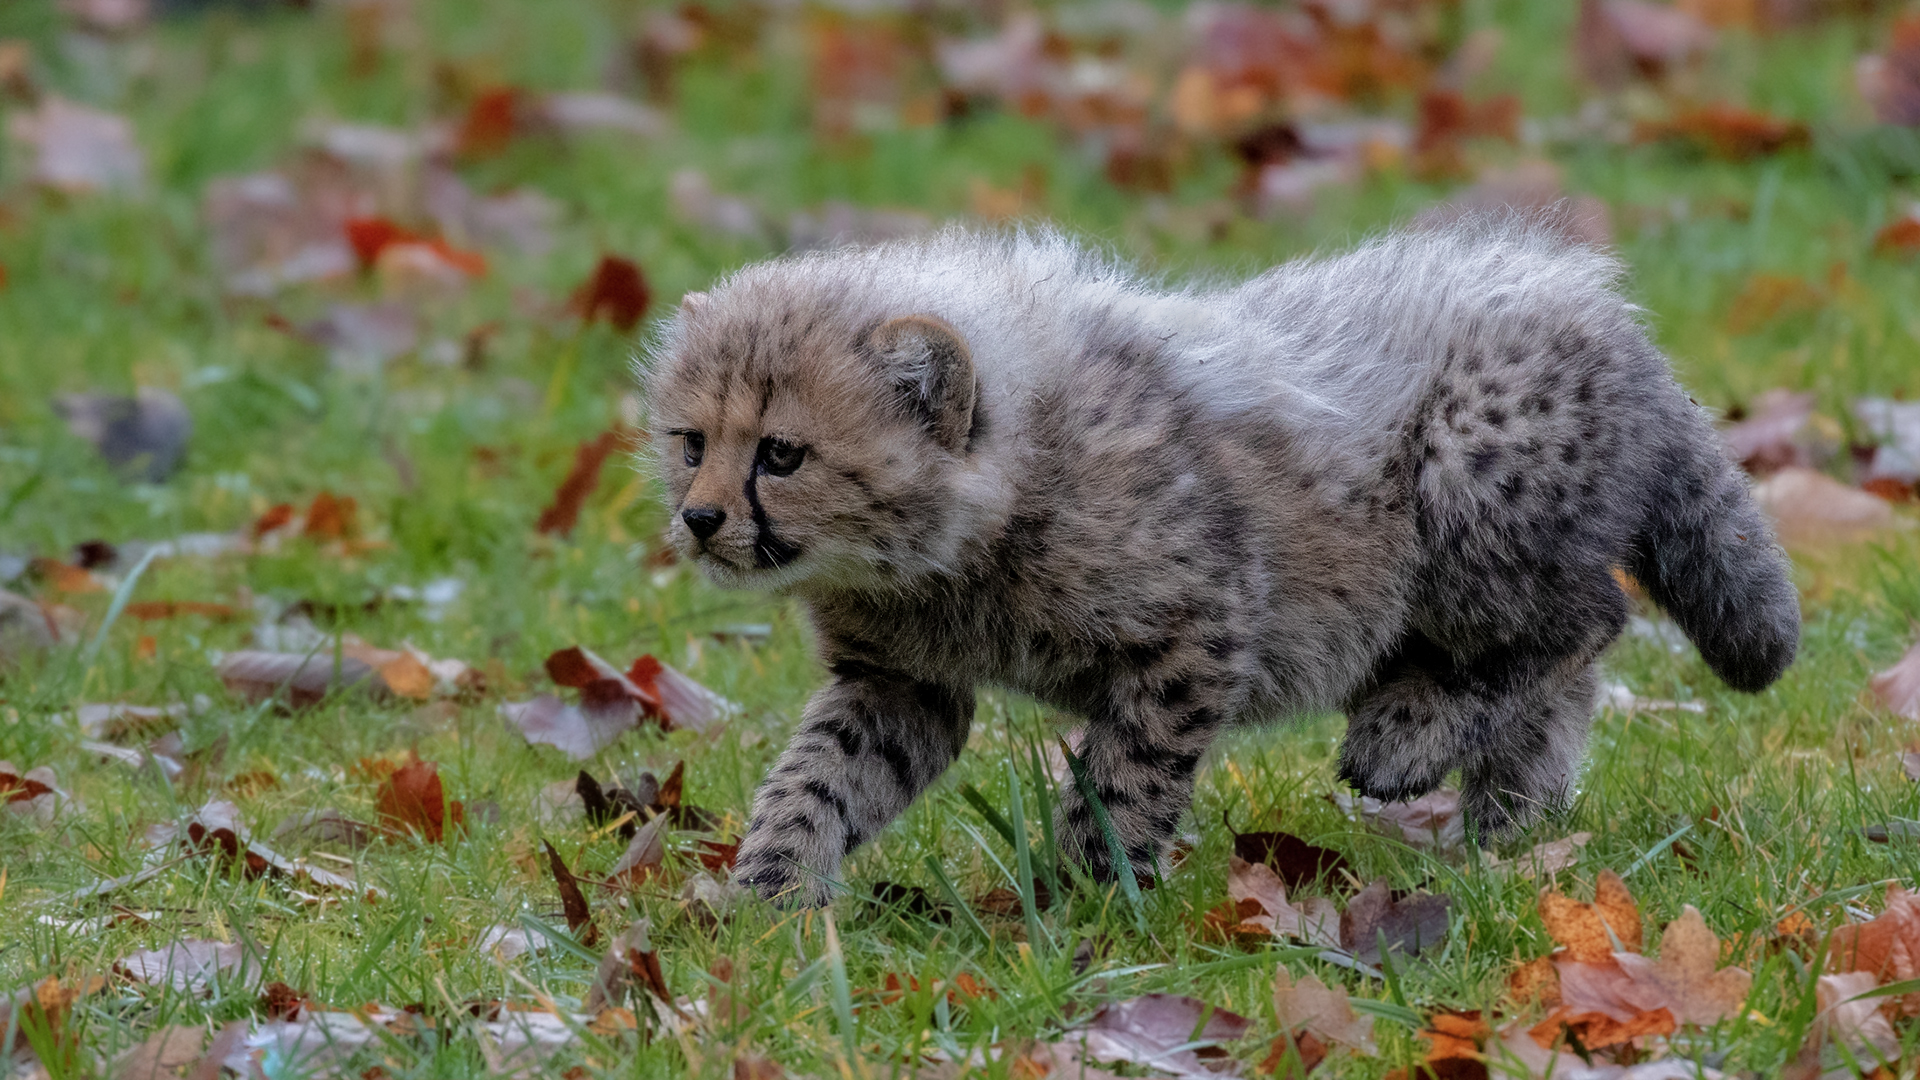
1396, 481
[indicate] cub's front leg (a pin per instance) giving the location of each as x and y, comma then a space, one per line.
868, 744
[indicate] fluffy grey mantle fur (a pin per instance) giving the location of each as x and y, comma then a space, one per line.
1395, 482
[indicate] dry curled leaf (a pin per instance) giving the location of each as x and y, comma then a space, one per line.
1886, 947
1314, 920
1325, 1012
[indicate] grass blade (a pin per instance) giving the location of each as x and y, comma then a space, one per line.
1023, 859
1049, 847
953, 894
1117, 851
120, 597
985, 809
837, 987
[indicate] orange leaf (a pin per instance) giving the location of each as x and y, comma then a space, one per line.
1596, 1031
1727, 131
330, 517
1583, 927
1900, 237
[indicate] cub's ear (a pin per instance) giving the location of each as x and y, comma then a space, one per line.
933, 372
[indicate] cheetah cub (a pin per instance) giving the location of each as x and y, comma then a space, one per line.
1396, 482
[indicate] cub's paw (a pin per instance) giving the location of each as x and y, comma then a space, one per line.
776, 872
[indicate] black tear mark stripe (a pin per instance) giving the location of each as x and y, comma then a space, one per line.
769, 551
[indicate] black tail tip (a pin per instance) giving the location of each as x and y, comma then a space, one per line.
1752, 661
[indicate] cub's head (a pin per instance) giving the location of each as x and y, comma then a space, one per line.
805, 446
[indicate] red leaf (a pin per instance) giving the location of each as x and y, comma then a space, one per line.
491, 123
412, 798
563, 513
718, 856
616, 291
275, 517
572, 900
1901, 237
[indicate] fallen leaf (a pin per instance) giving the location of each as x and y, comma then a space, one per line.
1727, 131
1809, 508
143, 436
1448, 120
630, 960
1432, 821
616, 291
1853, 1022
643, 857
1535, 982
1588, 930
1412, 922
492, 120
1896, 427
572, 900
34, 793
1779, 431
161, 1055
578, 732
1766, 299
1311, 1006
1314, 921
361, 339
191, 967
108, 16
78, 149
325, 826
305, 678
1549, 857
1597, 1031
1695, 988
1293, 1057
1890, 81
412, 799
172, 609
560, 515
1617, 40
1886, 946
1151, 1031
1297, 862
1897, 689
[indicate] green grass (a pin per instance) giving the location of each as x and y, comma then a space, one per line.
109, 293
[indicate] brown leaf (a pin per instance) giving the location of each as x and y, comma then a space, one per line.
305, 678
616, 291
1890, 81
1887, 946
1297, 862
1293, 1056
1325, 1012
1727, 131
560, 516
1432, 821
190, 967
571, 898
630, 960
1897, 689
1548, 857
1448, 120
1313, 921
644, 855
1583, 927
1616, 40
282, 1002
1150, 1030
1535, 982
331, 517
1811, 508
412, 799
492, 120
161, 1056
1597, 1031
170, 609
1779, 431
578, 732
1411, 923
1687, 974
1859, 1025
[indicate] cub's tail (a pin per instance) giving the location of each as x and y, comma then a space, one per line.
1707, 556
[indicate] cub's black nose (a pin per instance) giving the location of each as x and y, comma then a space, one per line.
704, 521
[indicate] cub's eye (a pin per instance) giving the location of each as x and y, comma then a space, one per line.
695, 448
778, 457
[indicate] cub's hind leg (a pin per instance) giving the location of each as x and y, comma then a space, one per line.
1528, 763
1410, 725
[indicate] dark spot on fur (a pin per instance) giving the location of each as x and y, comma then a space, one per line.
1495, 416
1483, 459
